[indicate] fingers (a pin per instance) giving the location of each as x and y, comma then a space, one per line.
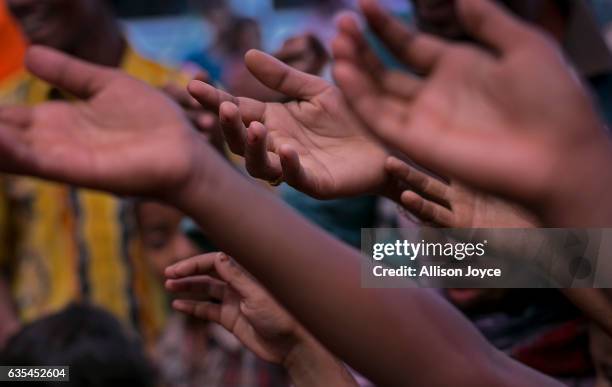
418, 181
293, 170
212, 98
260, 163
198, 265
399, 83
202, 288
252, 143
236, 277
280, 77
233, 127
427, 211
203, 120
16, 116
181, 96
360, 49
206, 123
493, 25
427, 198
75, 76
202, 310
203, 76
381, 112
468, 157
418, 51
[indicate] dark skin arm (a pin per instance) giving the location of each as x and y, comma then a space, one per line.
129, 139
243, 307
477, 116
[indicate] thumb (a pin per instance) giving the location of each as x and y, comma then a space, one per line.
283, 78
75, 76
238, 278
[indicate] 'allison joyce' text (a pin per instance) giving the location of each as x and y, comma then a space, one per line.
435, 271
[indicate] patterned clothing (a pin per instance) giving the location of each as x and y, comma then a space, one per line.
65, 244
194, 354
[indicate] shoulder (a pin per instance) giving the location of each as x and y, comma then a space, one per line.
152, 72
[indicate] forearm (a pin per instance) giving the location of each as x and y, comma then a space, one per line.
310, 364
402, 335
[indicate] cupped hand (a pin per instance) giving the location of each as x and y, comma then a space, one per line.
315, 143
237, 302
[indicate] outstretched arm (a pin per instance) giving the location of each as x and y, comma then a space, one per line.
453, 205
320, 285
483, 115
130, 139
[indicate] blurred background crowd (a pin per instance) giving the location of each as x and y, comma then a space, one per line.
67, 252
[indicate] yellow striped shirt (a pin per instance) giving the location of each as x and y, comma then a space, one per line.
65, 244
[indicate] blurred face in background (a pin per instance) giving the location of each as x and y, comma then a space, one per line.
439, 17
57, 23
164, 242
249, 37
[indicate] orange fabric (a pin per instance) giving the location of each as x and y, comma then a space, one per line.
12, 44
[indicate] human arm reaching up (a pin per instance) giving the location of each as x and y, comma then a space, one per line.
127, 138
509, 117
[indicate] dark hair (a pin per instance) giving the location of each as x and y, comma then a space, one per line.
88, 340
231, 33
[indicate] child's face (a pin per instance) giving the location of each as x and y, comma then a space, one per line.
164, 242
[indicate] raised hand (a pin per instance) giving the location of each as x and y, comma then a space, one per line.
510, 117
236, 302
453, 204
315, 143
205, 121
113, 139
213, 287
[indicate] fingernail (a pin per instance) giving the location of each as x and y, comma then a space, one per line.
223, 257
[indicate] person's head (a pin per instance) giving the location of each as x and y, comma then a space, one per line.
439, 16
88, 340
305, 53
164, 242
240, 35
60, 24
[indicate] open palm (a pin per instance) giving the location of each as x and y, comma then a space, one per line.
112, 139
315, 142
509, 116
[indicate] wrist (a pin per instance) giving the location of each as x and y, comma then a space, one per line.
303, 344
203, 177
308, 363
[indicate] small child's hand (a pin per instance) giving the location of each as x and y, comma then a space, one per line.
213, 287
